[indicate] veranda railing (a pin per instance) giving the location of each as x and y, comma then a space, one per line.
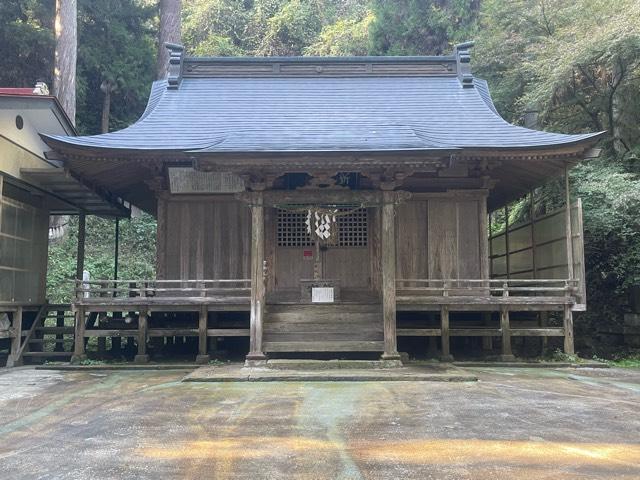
487, 287
161, 288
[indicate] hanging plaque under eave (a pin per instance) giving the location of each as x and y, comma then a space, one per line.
188, 180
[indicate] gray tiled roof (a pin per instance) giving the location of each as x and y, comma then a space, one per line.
306, 114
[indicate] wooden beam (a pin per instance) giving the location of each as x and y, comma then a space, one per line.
256, 354
388, 267
172, 332
475, 332
419, 332
276, 197
537, 332
228, 332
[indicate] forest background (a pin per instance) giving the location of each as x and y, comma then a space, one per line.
572, 65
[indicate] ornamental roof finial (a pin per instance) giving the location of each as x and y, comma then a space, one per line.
463, 60
174, 74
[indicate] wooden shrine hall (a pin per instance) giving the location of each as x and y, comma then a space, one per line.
331, 206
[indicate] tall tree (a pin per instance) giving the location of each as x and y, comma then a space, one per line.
170, 32
26, 42
66, 55
421, 27
116, 62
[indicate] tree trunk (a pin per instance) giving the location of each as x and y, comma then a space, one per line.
170, 32
66, 52
106, 88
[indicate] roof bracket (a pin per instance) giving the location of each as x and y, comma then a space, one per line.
176, 57
463, 60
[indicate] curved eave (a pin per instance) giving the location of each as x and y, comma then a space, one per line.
72, 147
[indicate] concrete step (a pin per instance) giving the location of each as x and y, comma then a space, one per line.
303, 364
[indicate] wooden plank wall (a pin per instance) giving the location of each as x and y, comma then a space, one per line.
440, 236
538, 249
204, 237
24, 226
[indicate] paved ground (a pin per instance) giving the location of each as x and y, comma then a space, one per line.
348, 371
511, 424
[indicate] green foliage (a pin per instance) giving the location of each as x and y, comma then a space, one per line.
345, 37
559, 356
26, 42
275, 27
421, 27
577, 62
630, 361
137, 253
115, 44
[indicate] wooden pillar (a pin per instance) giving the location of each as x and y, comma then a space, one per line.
213, 341
388, 266
161, 237
203, 356
507, 354
484, 238
256, 355
79, 353
568, 330
568, 232
506, 240
16, 341
544, 341
432, 343
82, 227
487, 341
59, 347
142, 356
532, 214
568, 314
444, 331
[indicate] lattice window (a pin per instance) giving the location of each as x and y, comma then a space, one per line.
353, 229
292, 230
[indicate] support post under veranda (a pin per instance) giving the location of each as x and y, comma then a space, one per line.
79, 353
143, 330
14, 359
505, 327
203, 355
445, 335
568, 314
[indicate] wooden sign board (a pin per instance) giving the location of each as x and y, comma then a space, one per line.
189, 181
